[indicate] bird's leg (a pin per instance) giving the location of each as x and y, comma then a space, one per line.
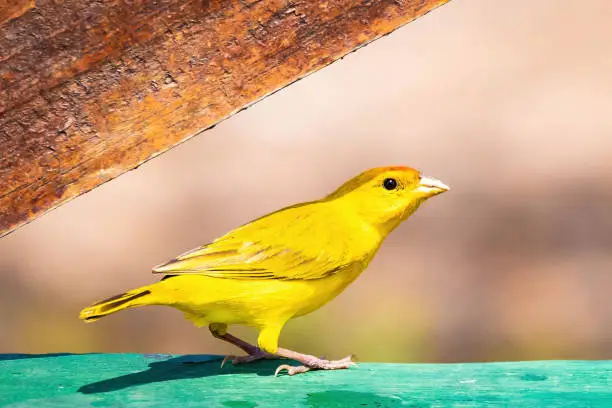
310, 362
254, 353
246, 347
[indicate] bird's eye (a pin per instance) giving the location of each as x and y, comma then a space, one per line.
390, 183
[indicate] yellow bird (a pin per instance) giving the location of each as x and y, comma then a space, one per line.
283, 265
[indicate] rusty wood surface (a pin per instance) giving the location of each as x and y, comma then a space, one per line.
91, 89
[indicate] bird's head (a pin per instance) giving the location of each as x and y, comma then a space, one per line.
386, 196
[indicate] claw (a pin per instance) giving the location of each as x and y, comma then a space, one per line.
248, 358
226, 359
281, 368
291, 370
317, 364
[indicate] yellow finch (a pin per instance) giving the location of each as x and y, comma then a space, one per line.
283, 265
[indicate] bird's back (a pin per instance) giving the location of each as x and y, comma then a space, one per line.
301, 242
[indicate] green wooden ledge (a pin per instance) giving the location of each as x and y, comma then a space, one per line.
116, 380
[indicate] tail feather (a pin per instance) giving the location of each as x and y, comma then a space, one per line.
114, 304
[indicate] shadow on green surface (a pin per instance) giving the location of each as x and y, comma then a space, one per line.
179, 368
4, 357
342, 398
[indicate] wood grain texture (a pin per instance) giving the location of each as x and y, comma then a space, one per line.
91, 89
111, 380
10, 9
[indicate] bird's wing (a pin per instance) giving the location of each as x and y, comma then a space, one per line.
299, 249
252, 260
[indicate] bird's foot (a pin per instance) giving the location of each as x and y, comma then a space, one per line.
254, 356
313, 363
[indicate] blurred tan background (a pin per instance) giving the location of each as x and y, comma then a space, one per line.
509, 102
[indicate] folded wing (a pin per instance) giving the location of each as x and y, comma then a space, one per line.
298, 248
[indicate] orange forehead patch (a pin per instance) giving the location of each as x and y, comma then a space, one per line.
380, 170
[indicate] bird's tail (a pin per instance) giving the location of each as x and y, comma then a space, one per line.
137, 297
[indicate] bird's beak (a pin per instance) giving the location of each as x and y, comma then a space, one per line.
429, 186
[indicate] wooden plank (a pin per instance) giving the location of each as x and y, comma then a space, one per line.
10, 9
89, 90
105, 380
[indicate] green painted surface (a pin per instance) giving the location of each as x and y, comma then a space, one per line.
116, 380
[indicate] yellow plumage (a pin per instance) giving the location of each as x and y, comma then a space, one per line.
286, 264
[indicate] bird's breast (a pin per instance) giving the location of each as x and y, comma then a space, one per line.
317, 292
